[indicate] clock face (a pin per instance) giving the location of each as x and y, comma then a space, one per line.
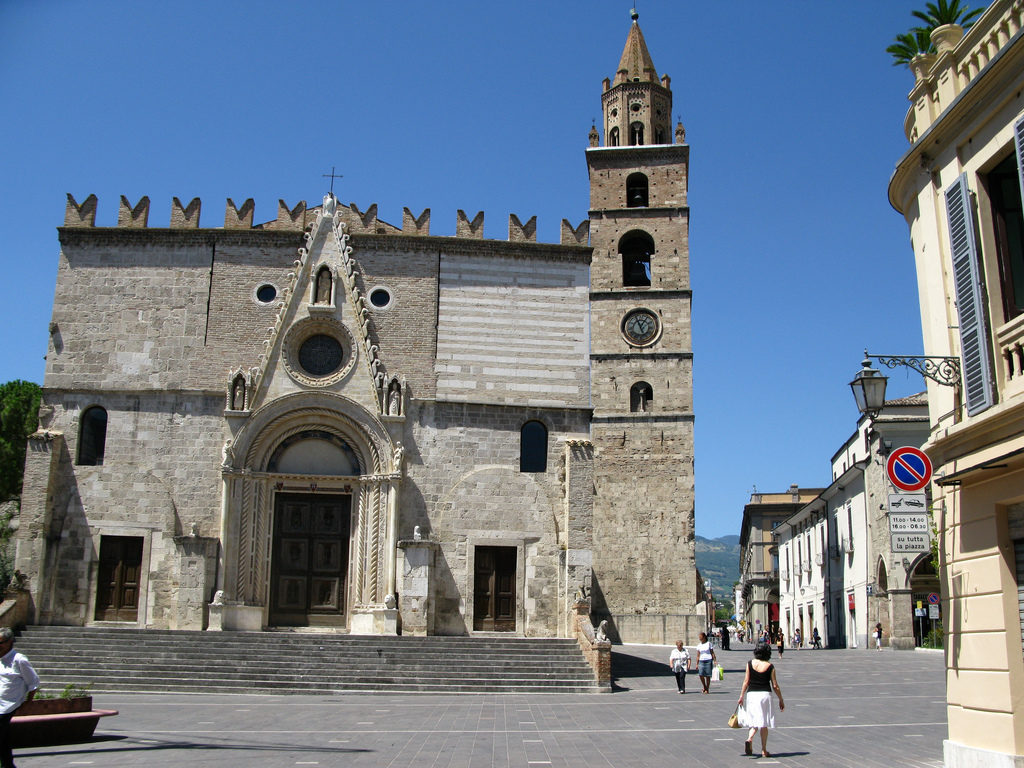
640, 327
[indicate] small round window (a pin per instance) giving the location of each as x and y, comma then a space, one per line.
266, 293
380, 297
321, 355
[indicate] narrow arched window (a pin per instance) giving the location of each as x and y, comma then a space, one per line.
238, 393
659, 136
324, 283
533, 447
636, 249
636, 134
613, 137
636, 190
92, 436
640, 396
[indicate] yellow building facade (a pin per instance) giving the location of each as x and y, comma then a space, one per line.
960, 189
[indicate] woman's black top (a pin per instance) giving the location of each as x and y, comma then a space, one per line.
759, 681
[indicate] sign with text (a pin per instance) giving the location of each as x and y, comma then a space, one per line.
908, 502
910, 542
908, 522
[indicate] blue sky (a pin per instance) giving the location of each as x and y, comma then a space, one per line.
793, 113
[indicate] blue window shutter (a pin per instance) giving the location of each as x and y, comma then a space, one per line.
974, 346
1018, 145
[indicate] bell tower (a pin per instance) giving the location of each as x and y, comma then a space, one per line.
641, 359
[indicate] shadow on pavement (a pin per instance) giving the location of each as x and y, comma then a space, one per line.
130, 744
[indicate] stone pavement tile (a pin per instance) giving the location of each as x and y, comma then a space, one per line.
844, 708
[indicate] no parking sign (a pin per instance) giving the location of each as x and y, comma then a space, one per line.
909, 468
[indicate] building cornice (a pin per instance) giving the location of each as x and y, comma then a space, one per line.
975, 100
70, 236
633, 293
129, 236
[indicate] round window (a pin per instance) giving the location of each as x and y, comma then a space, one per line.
266, 293
380, 297
321, 355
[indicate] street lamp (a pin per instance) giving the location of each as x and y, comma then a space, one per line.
869, 385
869, 388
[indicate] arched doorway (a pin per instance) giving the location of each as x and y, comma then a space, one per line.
924, 581
310, 516
311, 532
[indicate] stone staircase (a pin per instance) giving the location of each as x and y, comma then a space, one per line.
115, 660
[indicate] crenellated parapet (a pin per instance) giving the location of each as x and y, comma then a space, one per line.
575, 236
185, 217
419, 225
83, 215
300, 217
521, 233
466, 228
239, 218
135, 217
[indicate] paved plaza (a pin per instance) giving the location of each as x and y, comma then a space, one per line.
843, 708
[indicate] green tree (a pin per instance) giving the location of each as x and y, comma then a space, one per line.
19, 416
947, 12
910, 44
918, 40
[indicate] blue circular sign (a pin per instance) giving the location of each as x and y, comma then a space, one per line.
909, 469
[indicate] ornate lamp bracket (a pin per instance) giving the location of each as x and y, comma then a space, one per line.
941, 370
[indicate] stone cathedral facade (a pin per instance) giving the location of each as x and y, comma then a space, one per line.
329, 421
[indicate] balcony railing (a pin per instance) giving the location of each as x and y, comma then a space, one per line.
1010, 339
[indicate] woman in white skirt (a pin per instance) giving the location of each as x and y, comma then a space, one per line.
755, 703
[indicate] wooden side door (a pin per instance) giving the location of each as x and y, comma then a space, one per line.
117, 588
494, 589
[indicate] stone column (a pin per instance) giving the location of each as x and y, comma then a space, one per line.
416, 592
901, 609
197, 566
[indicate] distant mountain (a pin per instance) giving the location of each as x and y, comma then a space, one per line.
718, 561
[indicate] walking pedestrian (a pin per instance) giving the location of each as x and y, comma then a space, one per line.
705, 661
878, 636
18, 684
816, 640
780, 642
679, 661
755, 702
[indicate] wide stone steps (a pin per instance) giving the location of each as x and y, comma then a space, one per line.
111, 660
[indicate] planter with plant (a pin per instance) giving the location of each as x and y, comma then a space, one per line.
66, 718
944, 25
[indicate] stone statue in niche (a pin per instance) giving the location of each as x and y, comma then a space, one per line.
322, 294
394, 399
238, 394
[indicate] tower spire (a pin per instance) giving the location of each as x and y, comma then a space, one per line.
637, 105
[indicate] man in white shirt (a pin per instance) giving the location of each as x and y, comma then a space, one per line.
18, 684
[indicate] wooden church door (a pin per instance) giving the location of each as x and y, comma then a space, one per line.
117, 589
494, 589
310, 560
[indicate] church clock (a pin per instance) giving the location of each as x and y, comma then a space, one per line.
640, 327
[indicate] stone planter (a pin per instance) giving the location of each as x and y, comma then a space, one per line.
54, 706
946, 37
921, 66
55, 721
